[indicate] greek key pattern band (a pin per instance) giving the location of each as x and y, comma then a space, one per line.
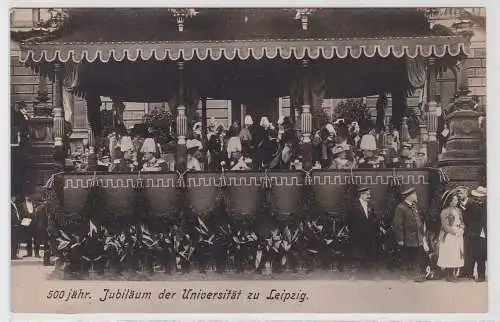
245, 180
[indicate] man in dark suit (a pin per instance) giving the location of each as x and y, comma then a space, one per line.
475, 232
409, 233
29, 220
363, 226
15, 221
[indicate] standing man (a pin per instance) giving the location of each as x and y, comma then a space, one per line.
15, 221
474, 214
363, 226
409, 233
29, 222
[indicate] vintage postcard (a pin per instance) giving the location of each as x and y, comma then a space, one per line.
248, 160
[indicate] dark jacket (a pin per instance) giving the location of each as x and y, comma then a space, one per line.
474, 218
363, 230
408, 225
15, 216
38, 216
217, 151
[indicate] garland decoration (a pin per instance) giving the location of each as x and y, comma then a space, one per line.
181, 179
308, 180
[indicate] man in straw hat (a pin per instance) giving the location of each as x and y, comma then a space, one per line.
363, 225
474, 209
409, 232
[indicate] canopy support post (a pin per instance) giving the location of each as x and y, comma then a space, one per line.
204, 128
181, 122
58, 128
433, 113
94, 128
306, 120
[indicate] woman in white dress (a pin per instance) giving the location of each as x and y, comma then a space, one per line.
451, 240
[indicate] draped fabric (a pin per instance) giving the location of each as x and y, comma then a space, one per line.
296, 96
68, 104
417, 71
93, 114
317, 90
70, 81
399, 106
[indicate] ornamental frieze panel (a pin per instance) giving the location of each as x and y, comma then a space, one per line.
121, 181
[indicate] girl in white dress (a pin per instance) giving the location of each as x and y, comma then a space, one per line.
451, 240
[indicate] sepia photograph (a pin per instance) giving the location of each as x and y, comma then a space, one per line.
302, 160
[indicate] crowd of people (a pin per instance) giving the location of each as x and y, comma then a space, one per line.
455, 250
336, 145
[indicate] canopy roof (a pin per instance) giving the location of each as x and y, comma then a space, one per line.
131, 34
234, 53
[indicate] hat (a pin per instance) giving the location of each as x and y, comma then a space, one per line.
363, 189
368, 143
329, 127
281, 120
149, 145
233, 145
461, 188
197, 128
338, 121
193, 144
408, 191
264, 122
248, 120
126, 144
406, 145
446, 196
479, 192
339, 148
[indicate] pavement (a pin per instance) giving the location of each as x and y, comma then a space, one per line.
328, 292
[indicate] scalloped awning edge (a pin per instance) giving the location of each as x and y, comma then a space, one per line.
412, 47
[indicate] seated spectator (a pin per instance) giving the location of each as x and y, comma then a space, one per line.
124, 161
327, 137
242, 164
340, 161
194, 148
286, 154
151, 162
216, 147
246, 136
354, 136
368, 147
406, 158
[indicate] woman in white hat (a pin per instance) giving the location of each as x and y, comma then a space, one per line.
451, 239
151, 162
